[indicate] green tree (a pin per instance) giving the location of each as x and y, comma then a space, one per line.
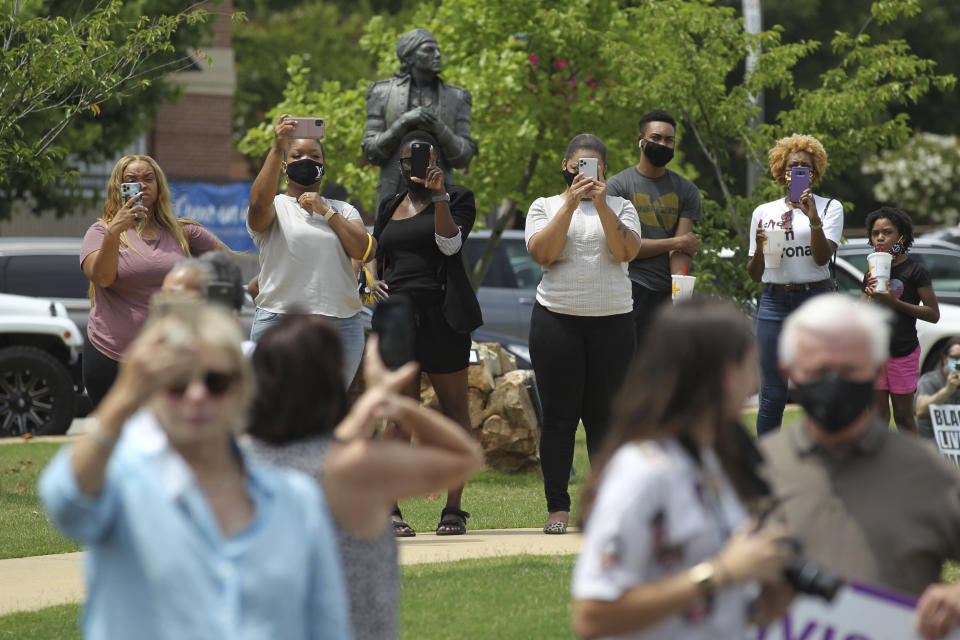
79, 81
326, 35
541, 72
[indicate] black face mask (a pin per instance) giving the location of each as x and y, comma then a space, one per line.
569, 177
658, 155
305, 172
834, 401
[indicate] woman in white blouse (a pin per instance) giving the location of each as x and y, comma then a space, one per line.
581, 336
668, 549
306, 243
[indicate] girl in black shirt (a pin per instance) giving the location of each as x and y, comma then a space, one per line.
890, 230
420, 233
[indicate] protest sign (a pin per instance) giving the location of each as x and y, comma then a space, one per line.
946, 430
858, 612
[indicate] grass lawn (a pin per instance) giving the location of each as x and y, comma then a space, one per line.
25, 530
516, 597
496, 500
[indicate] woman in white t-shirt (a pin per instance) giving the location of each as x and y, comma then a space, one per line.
581, 331
813, 228
668, 551
306, 244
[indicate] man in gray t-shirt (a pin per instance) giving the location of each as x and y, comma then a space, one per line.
667, 205
940, 386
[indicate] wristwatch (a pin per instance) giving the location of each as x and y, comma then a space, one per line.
329, 214
704, 576
444, 198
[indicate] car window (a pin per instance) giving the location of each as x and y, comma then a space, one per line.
526, 272
856, 256
46, 276
944, 270
848, 283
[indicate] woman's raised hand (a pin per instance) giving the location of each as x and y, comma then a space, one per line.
434, 178
376, 374
153, 361
281, 131
127, 216
761, 236
579, 188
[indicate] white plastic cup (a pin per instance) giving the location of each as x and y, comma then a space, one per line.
773, 247
879, 265
682, 287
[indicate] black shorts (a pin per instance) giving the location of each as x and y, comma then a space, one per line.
438, 348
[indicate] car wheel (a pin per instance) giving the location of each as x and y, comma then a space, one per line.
36, 393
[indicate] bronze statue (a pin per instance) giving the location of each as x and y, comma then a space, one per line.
416, 98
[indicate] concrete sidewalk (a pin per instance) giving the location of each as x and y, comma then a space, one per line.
42, 581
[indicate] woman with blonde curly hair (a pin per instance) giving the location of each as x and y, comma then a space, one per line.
126, 254
813, 226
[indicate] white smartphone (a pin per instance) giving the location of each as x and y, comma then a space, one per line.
307, 128
129, 189
588, 167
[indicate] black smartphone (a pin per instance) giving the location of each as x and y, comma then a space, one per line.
393, 322
224, 293
419, 159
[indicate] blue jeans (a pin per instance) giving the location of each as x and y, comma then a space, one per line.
350, 330
775, 306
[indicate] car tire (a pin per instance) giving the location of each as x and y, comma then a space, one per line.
36, 393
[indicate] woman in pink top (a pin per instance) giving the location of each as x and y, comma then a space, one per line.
126, 268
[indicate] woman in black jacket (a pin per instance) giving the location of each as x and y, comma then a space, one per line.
420, 233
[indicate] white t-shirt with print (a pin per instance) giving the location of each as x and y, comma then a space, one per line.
586, 279
303, 265
657, 513
797, 265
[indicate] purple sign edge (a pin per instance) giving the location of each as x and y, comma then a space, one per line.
903, 600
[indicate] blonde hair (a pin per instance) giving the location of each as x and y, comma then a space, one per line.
796, 142
178, 319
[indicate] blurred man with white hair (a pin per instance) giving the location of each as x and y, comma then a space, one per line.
872, 505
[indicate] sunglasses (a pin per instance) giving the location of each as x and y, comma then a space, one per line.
216, 382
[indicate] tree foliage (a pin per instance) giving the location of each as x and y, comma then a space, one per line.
541, 72
79, 81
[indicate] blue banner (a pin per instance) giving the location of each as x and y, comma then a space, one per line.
222, 208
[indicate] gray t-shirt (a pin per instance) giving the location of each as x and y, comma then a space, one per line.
660, 203
929, 384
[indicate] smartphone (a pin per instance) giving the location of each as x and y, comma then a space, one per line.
799, 182
419, 159
393, 322
588, 167
952, 365
130, 189
127, 191
223, 293
307, 128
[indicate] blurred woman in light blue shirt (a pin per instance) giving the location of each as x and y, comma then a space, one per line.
187, 538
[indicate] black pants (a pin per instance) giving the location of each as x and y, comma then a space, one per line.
99, 372
580, 362
646, 303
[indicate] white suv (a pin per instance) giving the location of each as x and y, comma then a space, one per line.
40, 349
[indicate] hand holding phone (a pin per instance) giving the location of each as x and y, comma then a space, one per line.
799, 182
